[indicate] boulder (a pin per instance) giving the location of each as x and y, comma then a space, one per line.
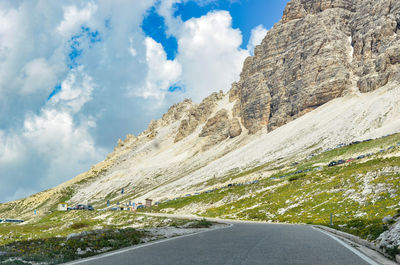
235, 128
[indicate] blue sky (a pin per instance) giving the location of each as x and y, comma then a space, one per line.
246, 15
75, 76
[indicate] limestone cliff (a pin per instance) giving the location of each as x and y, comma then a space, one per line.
320, 50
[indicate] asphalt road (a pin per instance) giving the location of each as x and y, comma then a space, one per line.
242, 243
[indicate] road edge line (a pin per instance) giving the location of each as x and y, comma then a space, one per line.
352, 249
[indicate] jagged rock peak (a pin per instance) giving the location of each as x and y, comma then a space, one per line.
296, 9
176, 111
197, 115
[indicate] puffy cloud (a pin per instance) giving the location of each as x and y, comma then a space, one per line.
75, 91
37, 75
162, 73
45, 142
131, 49
210, 54
57, 140
65, 145
257, 35
53, 132
75, 17
9, 22
11, 148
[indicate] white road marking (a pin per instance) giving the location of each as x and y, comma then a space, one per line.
352, 249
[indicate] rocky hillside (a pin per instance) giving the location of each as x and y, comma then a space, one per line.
327, 73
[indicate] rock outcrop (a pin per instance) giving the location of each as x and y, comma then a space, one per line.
219, 124
235, 128
197, 115
376, 41
320, 50
176, 112
216, 129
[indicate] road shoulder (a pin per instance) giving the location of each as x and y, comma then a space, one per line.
363, 246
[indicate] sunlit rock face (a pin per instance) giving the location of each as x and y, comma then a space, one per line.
319, 51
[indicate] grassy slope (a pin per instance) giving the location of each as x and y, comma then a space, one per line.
358, 203
45, 238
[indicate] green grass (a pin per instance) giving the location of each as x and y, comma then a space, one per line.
57, 250
352, 150
203, 223
45, 239
59, 224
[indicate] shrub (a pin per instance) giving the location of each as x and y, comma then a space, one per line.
203, 223
296, 177
79, 225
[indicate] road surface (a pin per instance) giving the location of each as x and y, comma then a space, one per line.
242, 243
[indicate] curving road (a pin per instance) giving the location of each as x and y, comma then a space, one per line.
242, 243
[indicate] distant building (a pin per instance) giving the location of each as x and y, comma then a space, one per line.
148, 203
62, 206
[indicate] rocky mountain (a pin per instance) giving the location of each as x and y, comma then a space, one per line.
320, 50
327, 73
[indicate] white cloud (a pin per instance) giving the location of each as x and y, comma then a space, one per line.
257, 35
29, 58
162, 73
54, 133
37, 75
67, 146
76, 90
11, 148
210, 54
9, 22
48, 130
167, 9
74, 18
131, 49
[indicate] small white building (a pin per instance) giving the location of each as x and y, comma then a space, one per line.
62, 206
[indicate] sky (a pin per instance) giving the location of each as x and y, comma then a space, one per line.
75, 76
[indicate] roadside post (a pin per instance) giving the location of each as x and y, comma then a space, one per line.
331, 219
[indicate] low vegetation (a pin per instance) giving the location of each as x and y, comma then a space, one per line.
57, 250
64, 236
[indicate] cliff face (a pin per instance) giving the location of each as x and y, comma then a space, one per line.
321, 50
